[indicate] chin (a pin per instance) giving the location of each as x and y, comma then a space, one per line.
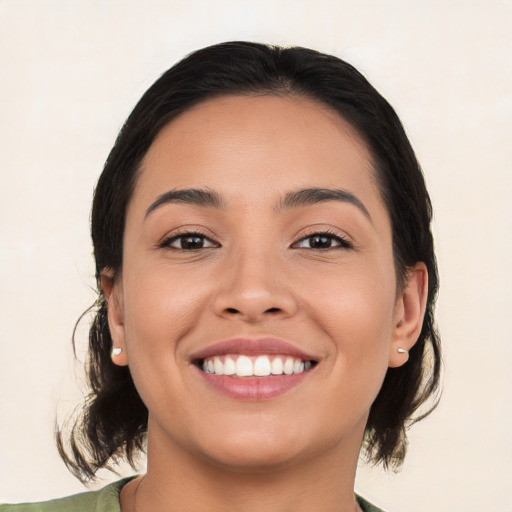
252, 459
252, 449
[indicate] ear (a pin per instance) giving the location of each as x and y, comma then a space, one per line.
409, 314
113, 295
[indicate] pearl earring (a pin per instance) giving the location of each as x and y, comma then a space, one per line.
401, 350
116, 351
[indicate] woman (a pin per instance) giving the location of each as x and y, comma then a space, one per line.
266, 288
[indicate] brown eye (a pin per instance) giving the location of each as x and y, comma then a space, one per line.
189, 242
320, 242
323, 241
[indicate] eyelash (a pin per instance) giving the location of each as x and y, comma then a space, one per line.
166, 243
343, 243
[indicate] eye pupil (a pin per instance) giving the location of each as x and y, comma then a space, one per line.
320, 242
192, 242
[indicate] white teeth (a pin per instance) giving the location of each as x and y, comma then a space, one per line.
229, 366
260, 366
288, 366
218, 366
298, 367
277, 366
244, 367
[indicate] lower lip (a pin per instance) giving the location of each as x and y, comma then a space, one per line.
258, 388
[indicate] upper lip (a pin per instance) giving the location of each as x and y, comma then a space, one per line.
251, 346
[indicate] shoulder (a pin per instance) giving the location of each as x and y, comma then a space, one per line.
366, 506
105, 500
102, 500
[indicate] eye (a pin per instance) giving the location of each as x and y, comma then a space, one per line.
322, 242
189, 242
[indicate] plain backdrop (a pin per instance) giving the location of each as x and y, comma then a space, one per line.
71, 71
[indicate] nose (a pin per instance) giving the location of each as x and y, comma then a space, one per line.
254, 288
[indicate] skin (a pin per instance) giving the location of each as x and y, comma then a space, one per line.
258, 275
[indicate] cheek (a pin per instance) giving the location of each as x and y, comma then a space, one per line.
161, 304
160, 309
353, 301
355, 310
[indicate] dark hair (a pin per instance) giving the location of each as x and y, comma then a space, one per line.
113, 422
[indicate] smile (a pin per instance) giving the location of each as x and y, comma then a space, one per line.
253, 368
265, 365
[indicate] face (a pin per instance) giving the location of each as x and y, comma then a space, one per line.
257, 305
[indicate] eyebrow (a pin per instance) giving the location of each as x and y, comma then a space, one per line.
311, 196
295, 199
194, 196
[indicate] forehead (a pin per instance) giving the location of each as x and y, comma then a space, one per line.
255, 147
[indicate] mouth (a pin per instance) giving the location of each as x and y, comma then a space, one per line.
253, 369
247, 366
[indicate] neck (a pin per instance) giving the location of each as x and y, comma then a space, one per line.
179, 481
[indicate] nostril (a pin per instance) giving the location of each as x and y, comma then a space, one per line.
234, 311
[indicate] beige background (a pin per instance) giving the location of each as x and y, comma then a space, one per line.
71, 72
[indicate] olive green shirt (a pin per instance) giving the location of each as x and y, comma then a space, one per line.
104, 500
